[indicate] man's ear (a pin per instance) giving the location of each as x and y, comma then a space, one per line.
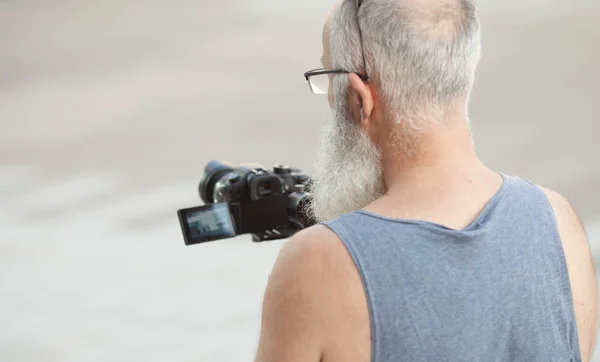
363, 97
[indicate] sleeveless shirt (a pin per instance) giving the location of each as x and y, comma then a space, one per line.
497, 290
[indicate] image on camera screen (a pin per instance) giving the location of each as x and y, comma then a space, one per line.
211, 222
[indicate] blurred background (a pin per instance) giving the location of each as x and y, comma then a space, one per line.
109, 111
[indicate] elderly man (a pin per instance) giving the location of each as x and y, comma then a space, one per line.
423, 253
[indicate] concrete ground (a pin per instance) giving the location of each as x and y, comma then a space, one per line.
109, 111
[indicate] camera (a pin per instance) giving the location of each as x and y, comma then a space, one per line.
248, 199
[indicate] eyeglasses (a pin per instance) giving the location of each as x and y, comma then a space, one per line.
318, 79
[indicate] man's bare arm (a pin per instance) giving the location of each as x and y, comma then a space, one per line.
581, 271
293, 321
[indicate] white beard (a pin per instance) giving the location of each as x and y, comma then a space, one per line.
348, 173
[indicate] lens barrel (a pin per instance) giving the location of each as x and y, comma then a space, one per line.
213, 172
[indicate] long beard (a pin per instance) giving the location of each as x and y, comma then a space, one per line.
348, 173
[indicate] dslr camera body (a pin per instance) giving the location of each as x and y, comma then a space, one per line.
248, 199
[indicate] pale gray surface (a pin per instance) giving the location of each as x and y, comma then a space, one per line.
109, 111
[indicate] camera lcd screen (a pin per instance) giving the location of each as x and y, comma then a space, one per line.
207, 223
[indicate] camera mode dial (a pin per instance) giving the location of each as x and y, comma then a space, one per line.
282, 170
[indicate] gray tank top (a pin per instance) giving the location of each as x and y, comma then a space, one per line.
497, 290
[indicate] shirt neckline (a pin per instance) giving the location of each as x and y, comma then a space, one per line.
471, 227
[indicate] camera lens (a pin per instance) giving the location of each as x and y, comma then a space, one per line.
213, 172
222, 189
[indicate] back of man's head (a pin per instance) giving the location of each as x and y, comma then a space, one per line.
421, 57
421, 54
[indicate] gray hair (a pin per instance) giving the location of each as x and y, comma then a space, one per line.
422, 54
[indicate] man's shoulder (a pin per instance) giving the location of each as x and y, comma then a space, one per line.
315, 267
580, 267
569, 223
307, 291
313, 249
570, 227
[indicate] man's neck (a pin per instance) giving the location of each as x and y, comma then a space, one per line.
439, 153
442, 182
